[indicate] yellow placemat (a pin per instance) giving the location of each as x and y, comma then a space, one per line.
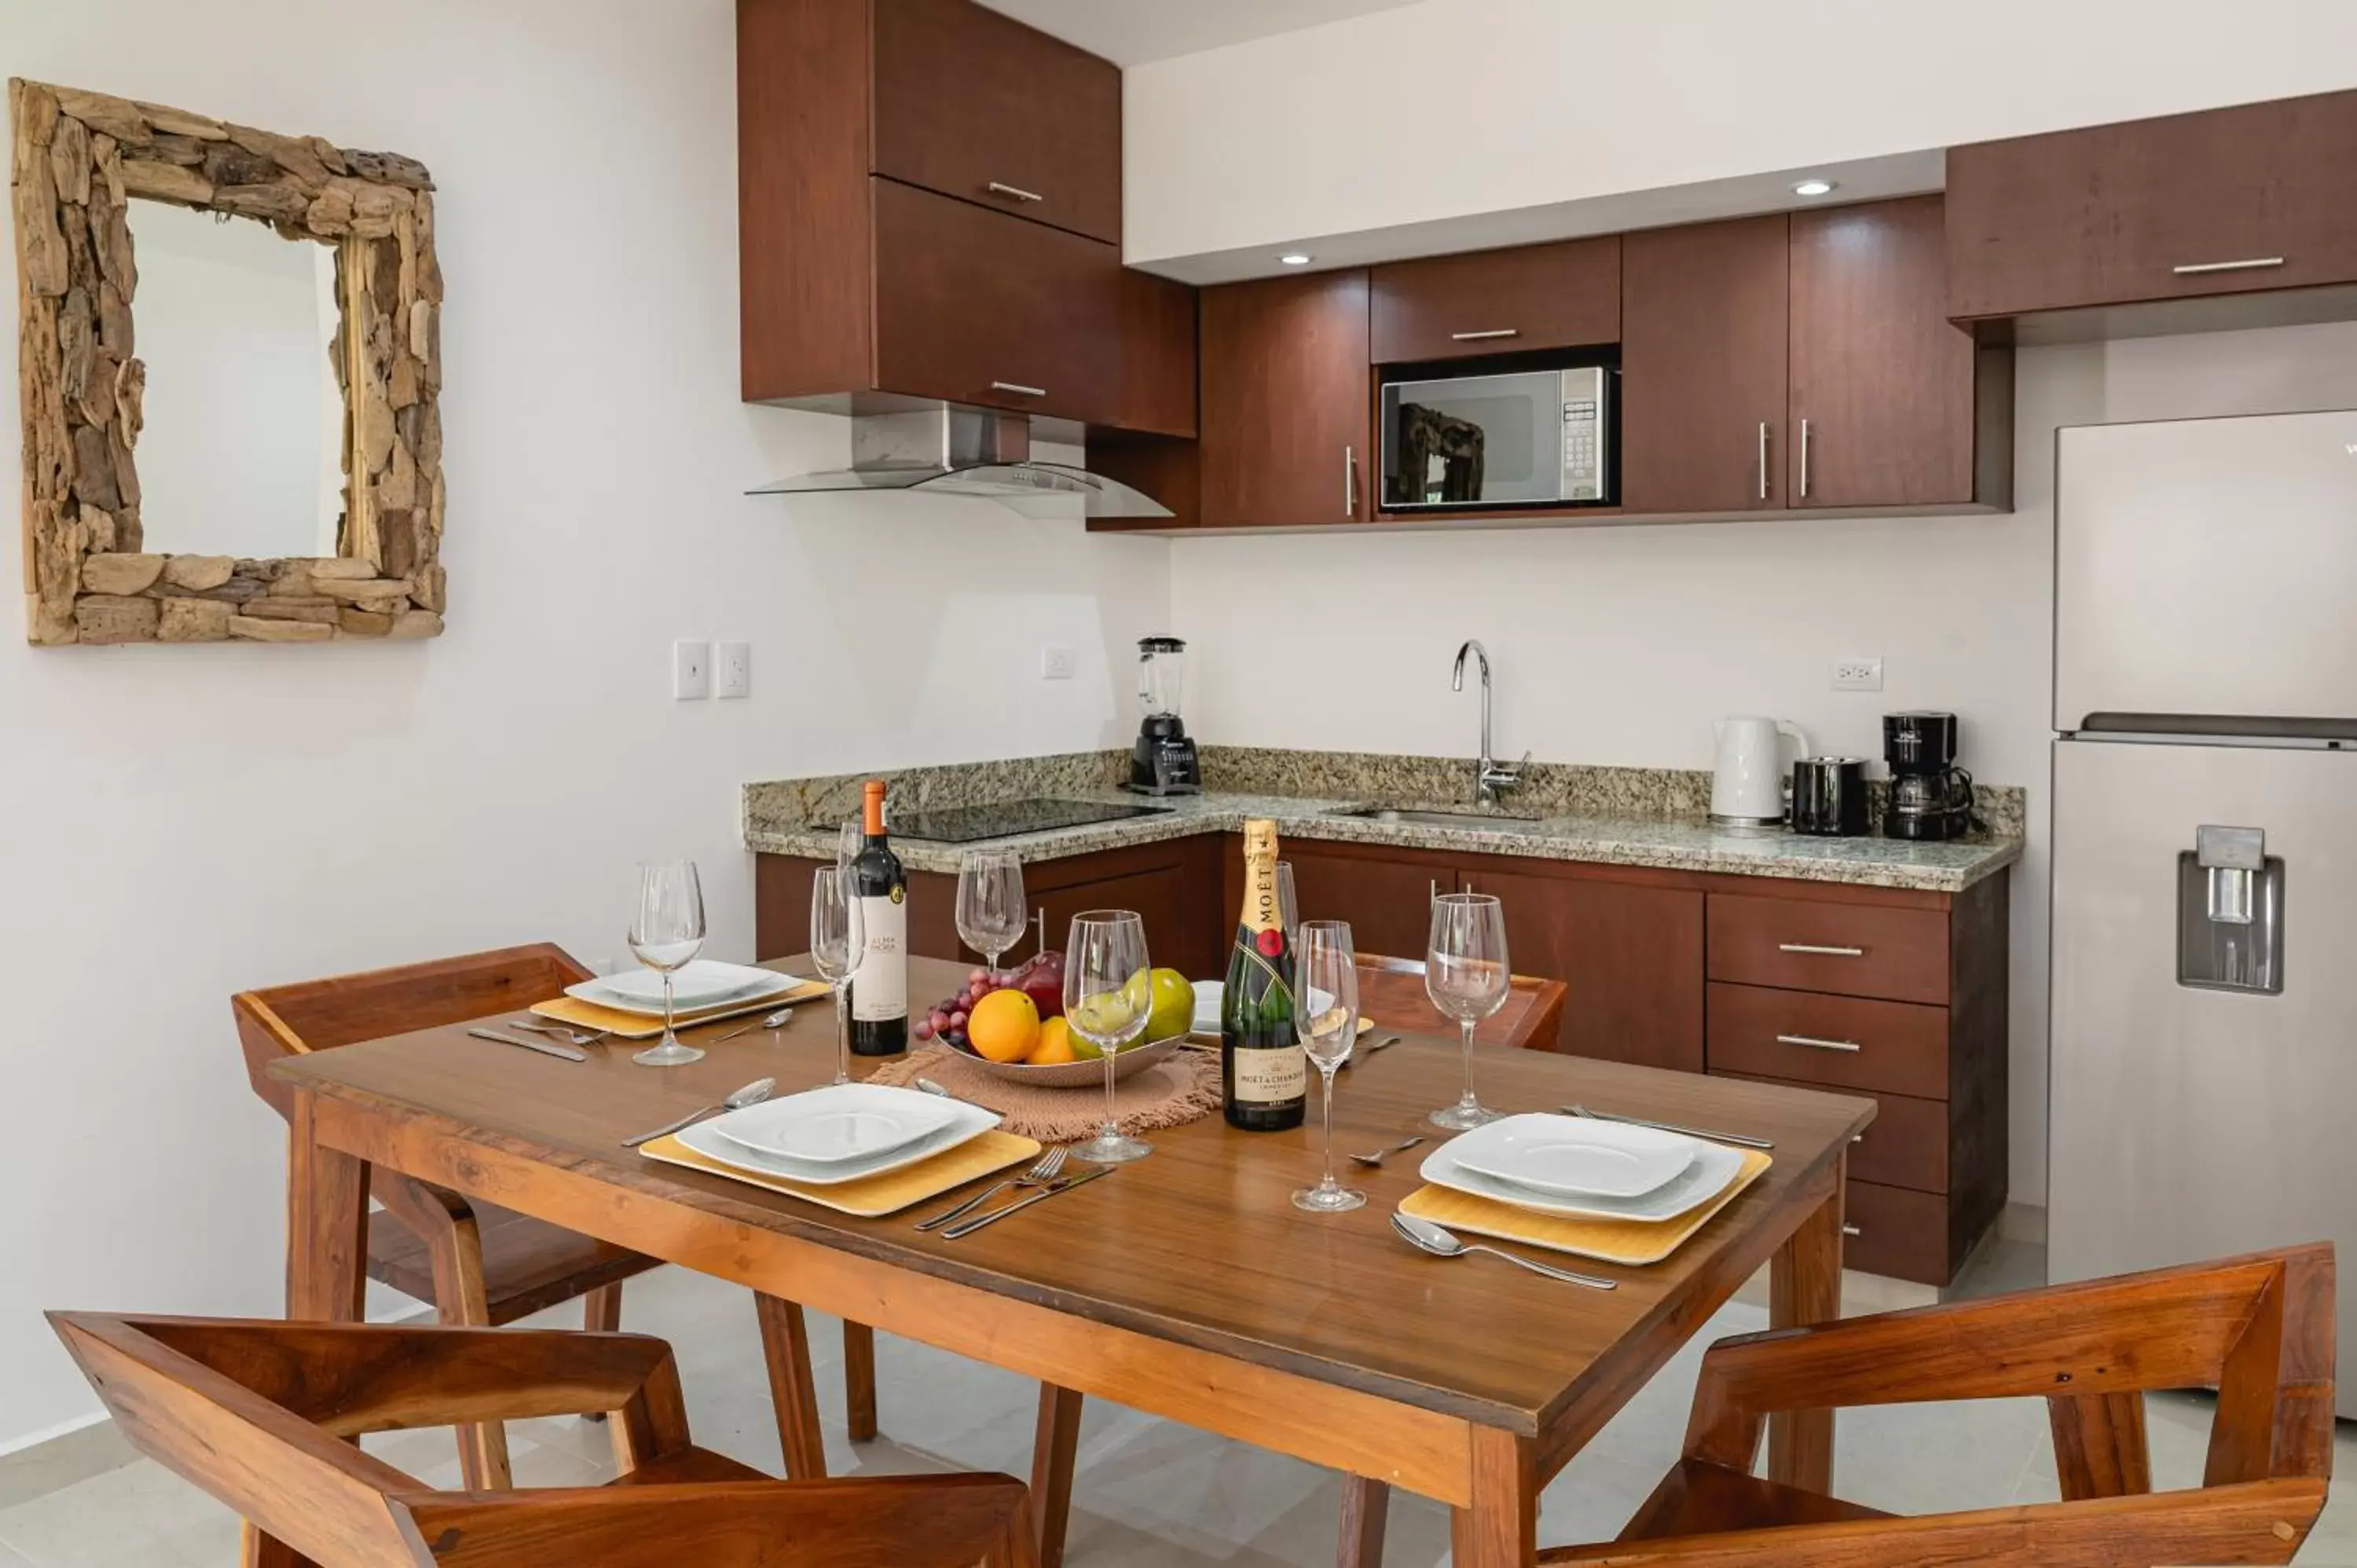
871, 1197
647, 1026
1633, 1241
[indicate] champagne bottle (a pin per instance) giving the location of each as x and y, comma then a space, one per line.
879, 986
1265, 1076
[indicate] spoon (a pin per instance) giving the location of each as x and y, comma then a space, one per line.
1425, 1236
752, 1094
1385, 1044
570, 1036
1380, 1156
777, 1020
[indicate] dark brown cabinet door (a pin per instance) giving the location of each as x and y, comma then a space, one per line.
1285, 400
2259, 197
978, 106
1703, 367
979, 307
1881, 406
1491, 302
1156, 347
1386, 894
1630, 955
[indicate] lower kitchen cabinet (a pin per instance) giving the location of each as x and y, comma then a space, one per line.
1627, 951
1386, 894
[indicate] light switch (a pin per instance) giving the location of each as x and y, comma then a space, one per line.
691, 671
732, 669
1055, 662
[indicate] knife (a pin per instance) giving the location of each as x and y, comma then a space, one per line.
545, 1047
954, 1231
1742, 1140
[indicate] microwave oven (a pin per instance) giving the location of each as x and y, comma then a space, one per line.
1538, 437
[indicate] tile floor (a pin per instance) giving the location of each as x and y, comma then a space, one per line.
1150, 1495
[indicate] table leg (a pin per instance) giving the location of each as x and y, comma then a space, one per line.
1053, 1451
785, 1350
1500, 1528
1366, 1509
327, 1226
1804, 1287
859, 1380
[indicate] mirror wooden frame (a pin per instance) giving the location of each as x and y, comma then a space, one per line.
78, 159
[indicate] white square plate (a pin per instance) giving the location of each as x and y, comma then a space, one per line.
1715, 1165
843, 1122
1576, 1157
702, 983
966, 1123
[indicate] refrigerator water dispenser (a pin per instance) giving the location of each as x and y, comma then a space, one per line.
2229, 912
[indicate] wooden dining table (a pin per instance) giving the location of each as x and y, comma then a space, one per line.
1186, 1284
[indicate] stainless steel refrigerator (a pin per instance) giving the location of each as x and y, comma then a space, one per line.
2204, 1026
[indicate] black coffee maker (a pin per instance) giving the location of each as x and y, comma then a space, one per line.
1930, 796
1163, 762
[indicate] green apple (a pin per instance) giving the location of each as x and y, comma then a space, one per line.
1174, 1006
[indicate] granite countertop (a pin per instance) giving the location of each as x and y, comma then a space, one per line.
1684, 843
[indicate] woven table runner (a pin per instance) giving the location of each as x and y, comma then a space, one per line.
1171, 1093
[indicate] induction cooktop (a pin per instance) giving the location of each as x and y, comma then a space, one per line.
1004, 819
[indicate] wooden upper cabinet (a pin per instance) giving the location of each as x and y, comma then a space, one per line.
976, 105
1286, 401
2226, 200
1703, 334
1883, 385
1496, 301
1155, 344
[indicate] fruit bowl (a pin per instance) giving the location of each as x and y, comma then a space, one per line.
1080, 1074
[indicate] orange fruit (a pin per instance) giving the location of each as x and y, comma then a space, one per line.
1002, 1026
1055, 1046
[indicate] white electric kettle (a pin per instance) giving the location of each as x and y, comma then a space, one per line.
1748, 788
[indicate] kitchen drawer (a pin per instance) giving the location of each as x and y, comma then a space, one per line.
1851, 950
1493, 302
1907, 1146
1887, 1048
978, 106
1891, 1231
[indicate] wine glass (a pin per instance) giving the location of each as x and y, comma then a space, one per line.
850, 838
1464, 974
666, 931
1108, 1000
1326, 1019
990, 913
838, 940
1289, 905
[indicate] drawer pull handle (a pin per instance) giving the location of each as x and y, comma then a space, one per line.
1852, 1230
1492, 332
997, 187
1811, 1040
1018, 389
1819, 949
2248, 265
1857, 1137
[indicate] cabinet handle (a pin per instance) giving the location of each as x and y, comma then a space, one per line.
1857, 1137
1435, 886
1804, 459
1349, 481
1812, 1041
1763, 459
1040, 919
1848, 1230
1018, 389
1492, 332
1821, 951
2248, 265
997, 187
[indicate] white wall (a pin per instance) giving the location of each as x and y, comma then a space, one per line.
1459, 107
177, 823
1619, 645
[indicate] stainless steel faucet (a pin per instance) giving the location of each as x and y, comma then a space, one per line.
1490, 776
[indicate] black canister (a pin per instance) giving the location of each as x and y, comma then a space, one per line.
1829, 796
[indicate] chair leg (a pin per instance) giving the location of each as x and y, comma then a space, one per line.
1366, 1509
1054, 1446
859, 1380
785, 1348
459, 1298
601, 1313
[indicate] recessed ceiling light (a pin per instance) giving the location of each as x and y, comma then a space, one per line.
1813, 187
1297, 258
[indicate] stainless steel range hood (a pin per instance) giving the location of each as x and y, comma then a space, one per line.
950, 450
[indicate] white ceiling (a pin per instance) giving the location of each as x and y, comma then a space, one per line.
1132, 32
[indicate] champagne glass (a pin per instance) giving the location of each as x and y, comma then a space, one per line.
1108, 999
838, 940
1464, 974
666, 931
1289, 905
990, 912
1326, 1019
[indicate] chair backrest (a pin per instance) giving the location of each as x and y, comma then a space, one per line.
318, 1015
1392, 991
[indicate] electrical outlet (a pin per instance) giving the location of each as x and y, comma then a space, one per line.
1055, 662
1857, 674
732, 669
691, 671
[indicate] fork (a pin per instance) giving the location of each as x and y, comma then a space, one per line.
1043, 1171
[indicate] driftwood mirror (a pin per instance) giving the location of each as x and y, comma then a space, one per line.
267, 464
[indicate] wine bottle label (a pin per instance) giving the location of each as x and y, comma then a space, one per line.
879, 986
1272, 1076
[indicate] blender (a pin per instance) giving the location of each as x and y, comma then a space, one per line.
1163, 762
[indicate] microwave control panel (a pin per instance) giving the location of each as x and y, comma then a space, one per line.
1584, 444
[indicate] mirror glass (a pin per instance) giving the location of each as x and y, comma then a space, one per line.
240, 454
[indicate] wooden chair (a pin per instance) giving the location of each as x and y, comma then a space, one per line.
261, 1416
2258, 1328
1391, 991
482, 1265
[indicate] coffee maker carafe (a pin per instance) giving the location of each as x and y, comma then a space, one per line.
1930, 796
1163, 762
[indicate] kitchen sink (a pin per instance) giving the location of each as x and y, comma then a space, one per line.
1431, 817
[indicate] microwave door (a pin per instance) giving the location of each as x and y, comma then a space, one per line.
1474, 440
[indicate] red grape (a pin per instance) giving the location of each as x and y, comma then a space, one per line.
957, 1021
924, 1028
978, 977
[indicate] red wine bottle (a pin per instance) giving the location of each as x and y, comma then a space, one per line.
879, 986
